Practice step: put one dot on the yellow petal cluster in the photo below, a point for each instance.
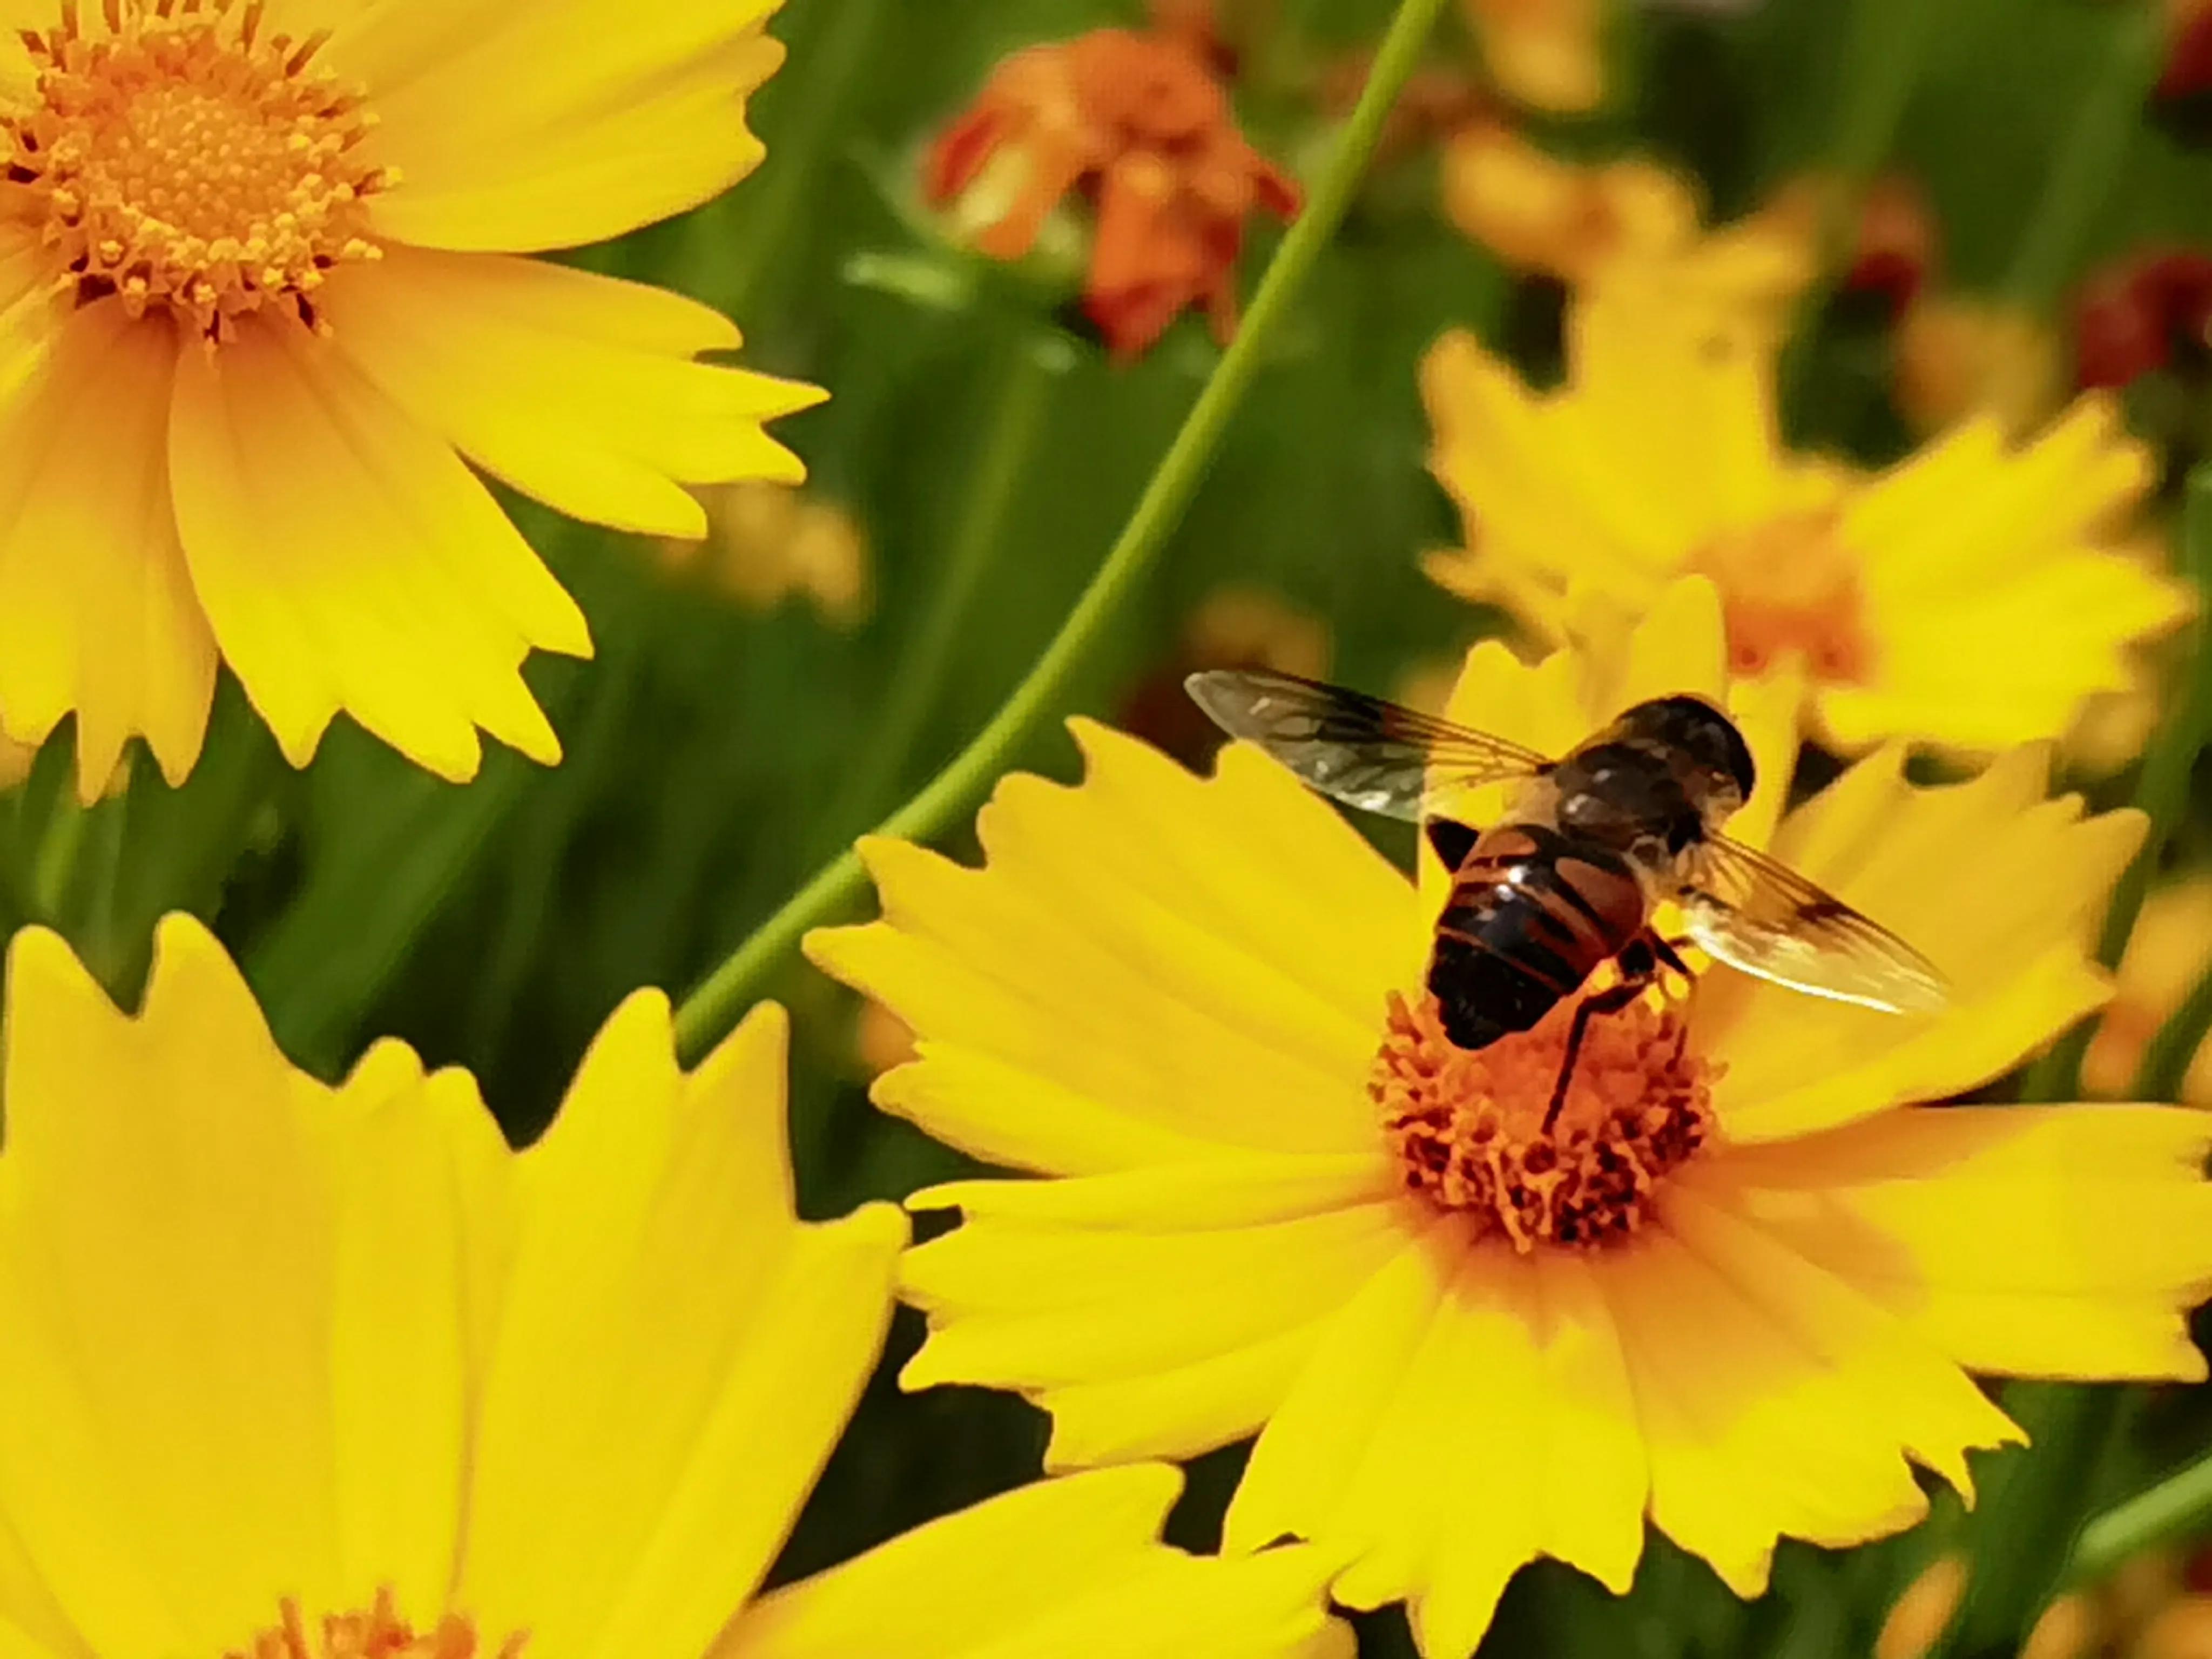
(270, 305)
(296, 1368)
(1902, 596)
(1165, 993)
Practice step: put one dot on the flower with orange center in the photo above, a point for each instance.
(263, 305)
(302, 1372)
(1902, 597)
(1138, 127)
(1735, 1286)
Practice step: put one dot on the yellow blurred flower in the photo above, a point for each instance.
(1960, 355)
(334, 1366)
(1546, 54)
(766, 543)
(1628, 218)
(262, 302)
(1969, 596)
(1257, 627)
(2169, 950)
(2182, 1629)
(1286, 1207)
(1919, 1618)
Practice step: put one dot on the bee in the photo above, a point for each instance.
(1591, 844)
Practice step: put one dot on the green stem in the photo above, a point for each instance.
(2179, 1506)
(711, 1008)
(917, 683)
(2161, 789)
(2088, 161)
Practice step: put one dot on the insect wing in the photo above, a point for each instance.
(1756, 913)
(1377, 756)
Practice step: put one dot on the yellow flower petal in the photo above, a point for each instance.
(1182, 926)
(1529, 499)
(1789, 1412)
(172, 1339)
(660, 1274)
(574, 388)
(1996, 886)
(521, 128)
(348, 561)
(1074, 1284)
(114, 631)
(2043, 1241)
(427, 1186)
(1062, 1566)
(1444, 1486)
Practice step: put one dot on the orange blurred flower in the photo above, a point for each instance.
(1138, 127)
(1585, 225)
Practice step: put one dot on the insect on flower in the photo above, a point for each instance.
(1591, 845)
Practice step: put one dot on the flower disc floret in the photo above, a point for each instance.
(376, 1631)
(177, 155)
(1789, 589)
(1468, 1126)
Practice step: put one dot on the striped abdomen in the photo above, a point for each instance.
(1531, 913)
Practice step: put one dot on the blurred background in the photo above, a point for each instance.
(2039, 180)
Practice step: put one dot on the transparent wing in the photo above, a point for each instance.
(1756, 913)
(1367, 753)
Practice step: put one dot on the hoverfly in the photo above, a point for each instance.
(1590, 844)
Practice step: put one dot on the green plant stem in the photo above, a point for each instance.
(2088, 161)
(2161, 789)
(712, 1008)
(2179, 1506)
(1017, 403)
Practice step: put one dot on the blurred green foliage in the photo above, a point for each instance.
(711, 753)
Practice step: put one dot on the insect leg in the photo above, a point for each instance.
(1611, 1000)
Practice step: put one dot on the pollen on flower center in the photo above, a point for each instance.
(1468, 1125)
(1787, 587)
(376, 1631)
(175, 154)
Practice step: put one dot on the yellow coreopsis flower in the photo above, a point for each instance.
(1970, 596)
(262, 299)
(298, 1372)
(1738, 1286)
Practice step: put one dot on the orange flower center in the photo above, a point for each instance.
(1468, 1125)
(177, 155)
(376, 1631)
(1789, 587)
